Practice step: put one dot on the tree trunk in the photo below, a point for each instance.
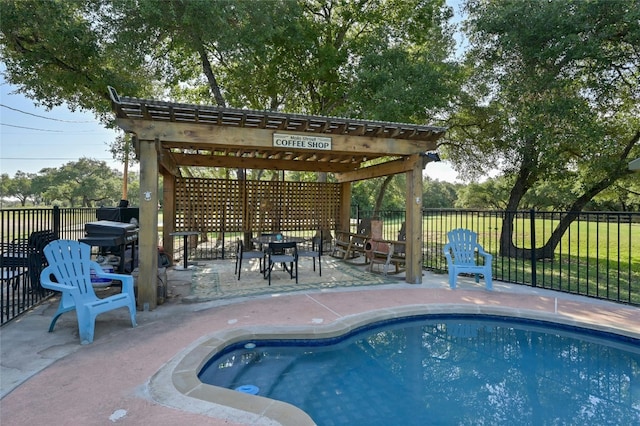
(549, 247)
(520, 187)
(208, 72)
(380, 197)
(508, 249)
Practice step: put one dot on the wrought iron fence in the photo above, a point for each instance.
(598, 255)
(21, 232)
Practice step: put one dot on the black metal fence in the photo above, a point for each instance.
(21, 239)
(597, 256)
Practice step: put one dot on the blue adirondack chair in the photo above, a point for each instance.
(70, 265)
(461, 251)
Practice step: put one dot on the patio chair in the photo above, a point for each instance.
(314, 251)
(379, 253)
(241, 253)
(461, 251)
(268, 237)
(29, 253)
(70, 265)
(282, 253)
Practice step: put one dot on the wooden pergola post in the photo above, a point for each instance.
(345, 206)
(414, 222)
(168, 210)
(148, 233)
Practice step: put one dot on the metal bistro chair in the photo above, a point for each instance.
(314, 251)
(285, 252)
(71, 265)
(241, 253)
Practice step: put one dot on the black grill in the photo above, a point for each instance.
(113, 238)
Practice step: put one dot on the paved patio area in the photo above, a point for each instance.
(49, 378)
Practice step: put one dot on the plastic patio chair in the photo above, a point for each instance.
(461, 251)
(70, 265)
(241, 253)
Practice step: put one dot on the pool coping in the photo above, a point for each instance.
(176, 384)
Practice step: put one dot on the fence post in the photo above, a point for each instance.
(56, 221)
(532, 224)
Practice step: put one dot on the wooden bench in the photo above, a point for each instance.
(386, 253)
(348, 245)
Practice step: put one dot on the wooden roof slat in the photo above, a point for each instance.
(189, 130)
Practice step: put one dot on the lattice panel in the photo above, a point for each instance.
(214, 205)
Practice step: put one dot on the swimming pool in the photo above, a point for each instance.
(443, 369)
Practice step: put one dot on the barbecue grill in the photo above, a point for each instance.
(113, 238)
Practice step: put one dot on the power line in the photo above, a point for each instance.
(51, 158)
(42, 116)
(31, 128)
(47, 130)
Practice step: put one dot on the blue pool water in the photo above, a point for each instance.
(444, 370)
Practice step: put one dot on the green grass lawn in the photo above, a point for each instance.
(599, 259)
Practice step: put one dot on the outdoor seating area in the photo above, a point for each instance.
(217, 280)
(260, 256)
(369, 246)
(349, 245)
(278, 251)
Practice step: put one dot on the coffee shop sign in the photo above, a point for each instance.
(281, 140)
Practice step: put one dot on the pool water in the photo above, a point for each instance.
(446, 370)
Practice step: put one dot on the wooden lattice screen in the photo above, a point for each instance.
(216, 205)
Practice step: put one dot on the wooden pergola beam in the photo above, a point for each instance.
(384, 169)
(230, 136)
(197, 160)
(167, 162)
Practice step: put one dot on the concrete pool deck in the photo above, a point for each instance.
(127, 375)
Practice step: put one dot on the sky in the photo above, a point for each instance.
(33, 138)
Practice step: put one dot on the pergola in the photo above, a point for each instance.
(168, 136)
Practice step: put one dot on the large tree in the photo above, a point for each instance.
(55, 52)
(553, 96)
(376, 59)
(19, 186)
(87, 181)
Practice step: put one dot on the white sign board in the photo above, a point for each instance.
(281, 140)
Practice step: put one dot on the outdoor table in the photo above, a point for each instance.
(186, 235)
(275, 238)
(264, 240)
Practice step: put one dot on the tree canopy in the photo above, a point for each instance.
(356, 58)
(552, 98)
(547, 93)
